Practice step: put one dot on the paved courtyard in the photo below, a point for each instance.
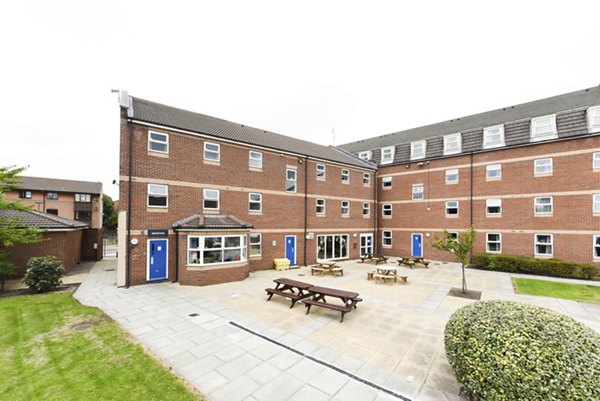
(230, 344)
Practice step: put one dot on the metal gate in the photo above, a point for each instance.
(109, 247)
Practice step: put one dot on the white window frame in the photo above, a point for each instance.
(151, 191)
(206, 197)
(255, 202)
(487, 142)
(345, 176)
(488, 242)
(345, 204)
(452, 215)
(201, 249)
(386, 235)
(386, 180)
(452, 144)
(158, 141)
(539, 164)
(216, 152)
(596, 161)
(85, 198)
(592, 114)
(418, 145)
(254, 244)
(388, 151)
(416, 192)
(596, 244)
(495, 202)
(450, 173)
(366, 155)
(366, 179)
(366, 209)
(596, 203)
(321, 172)
(323, 205)
(542, 136)
(491, 167)
(255, 159)
(386, 210)
(536, 243)
(294, 179)
(536, 204)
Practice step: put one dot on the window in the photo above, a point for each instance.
(216, 249)
(158, 142)
(332, 246)
(593, 119)
(320, 206)
(418, 150)
(543, 244)
(84, 215)
(451, 208)
(596, 246)
(386, 210)
(452, 176)
(212, 152)
(52, 195)
(366, 209)
(493, 137)
(493, 242)
(345, 176)
(543, 205)
(596, 161)
(290, 180)
(542, 166)
(543, 128)
(25, 194)
(453, 234)
(52, 211)
(493, 206)
(366, 155)
(366, 179)
(157, 195)
(387, 154)
(386, 182)
(255, 202)
(493, 172)
(211, 199)
(255, 244)
(452, 144)
(345, 208)
(596, 201)
(386, 238)
(255, 159)
(417, 192)
(321, 170)
(85, 198)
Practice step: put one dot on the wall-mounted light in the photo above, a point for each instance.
(134, 241)
(407, 166)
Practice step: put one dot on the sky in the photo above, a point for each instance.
(330, 72)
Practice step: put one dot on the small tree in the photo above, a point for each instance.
(43, 273)
(7, 269)
(460, 246)
(109, 214)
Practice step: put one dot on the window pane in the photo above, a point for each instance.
(157, 200)
(232, 242)
(213, 257)
(212, 242)
(194, 243)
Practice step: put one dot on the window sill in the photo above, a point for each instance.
(386, 217)
(321, 215)
(255, 257)
(321, 179)
(451, 182)
(452, 216)
(367, 185)
(543, 215)
(542, 175)
(255, 213)
(493, 145)
(258, 170)
(494, 179)
(212, 163)
(210, 211)
(386, 246)
(366, 216)
(345, 216)
(493, 216)
(543, 256)
(157, 209)
(543, 137)
(387, 188)
(346, 182)
(216, 266)
(158, 154)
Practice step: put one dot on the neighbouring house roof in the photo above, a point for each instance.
(167, 116)
(569, 101)
(45, 221)
(211, 222)
(60, 185)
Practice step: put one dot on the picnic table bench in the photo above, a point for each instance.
(410, 262)
(319, 294)
(377, 259)
(326, 267)
(292, 289)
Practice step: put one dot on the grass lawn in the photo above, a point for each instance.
(575, 292)
(53, 348)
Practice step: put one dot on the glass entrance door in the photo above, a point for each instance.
(332, 246)
(366, 244)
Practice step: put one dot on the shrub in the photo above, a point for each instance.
(43, 273)
(479, 260)
(503, 351)
(7, 269)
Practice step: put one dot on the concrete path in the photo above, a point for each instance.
(231, 344)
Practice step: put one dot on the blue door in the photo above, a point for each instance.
(417, 245)
(157, 259)
(290, 248)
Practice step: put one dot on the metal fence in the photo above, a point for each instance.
(109, 247)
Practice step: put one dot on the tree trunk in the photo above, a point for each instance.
(464, 279)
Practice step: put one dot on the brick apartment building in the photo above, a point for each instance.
(212, 200)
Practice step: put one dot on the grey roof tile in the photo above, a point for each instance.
(211, 221)
(45, 221)
(60, 185)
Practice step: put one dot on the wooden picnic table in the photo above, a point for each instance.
(326, 266)
(292, 289)
(410, 262)
(377, 259)
(319, 295)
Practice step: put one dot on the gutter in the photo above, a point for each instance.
(129, 193)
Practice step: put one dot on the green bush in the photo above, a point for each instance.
(504, 351)
(7, 268)
(43, 273)
(527, 265)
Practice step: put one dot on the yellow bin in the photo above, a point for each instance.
(281, 264)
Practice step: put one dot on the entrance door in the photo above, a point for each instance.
(366, 244)
(290, 248)
(157, 259)
(417, 245)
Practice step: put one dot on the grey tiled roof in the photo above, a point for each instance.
(155, 113)
(569, 101)
(60, 185)
(211, 221)
(40, 220)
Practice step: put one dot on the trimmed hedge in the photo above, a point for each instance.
(505, 351)
(527, 265)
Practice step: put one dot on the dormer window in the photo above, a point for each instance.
(593, 118)
(366, 155)
(493, 137)
(418, 149)
(543, 128)
(452, 144)
(387, 154)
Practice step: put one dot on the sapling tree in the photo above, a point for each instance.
(460, 246)
(7, 269)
